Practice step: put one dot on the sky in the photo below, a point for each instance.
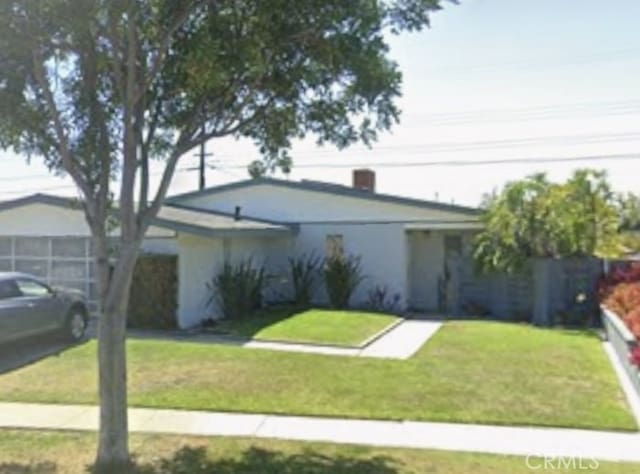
(491, 80)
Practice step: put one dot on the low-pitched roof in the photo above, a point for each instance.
(176, 217)
(330, 188)
(214, 223)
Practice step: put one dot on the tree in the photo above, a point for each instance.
(99, 88)
(535, 218)
(629, 209)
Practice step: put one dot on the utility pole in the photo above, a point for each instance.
(203, 163)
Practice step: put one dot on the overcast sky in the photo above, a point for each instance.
(491, 80)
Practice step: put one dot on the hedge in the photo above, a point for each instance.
(154, 293)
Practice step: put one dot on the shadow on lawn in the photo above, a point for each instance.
(19, 354)
(191, 460)
(39, 468)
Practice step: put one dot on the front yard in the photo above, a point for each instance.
(473, 372)
(37, 452)
(315, 326)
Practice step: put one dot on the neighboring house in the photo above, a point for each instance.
(403, 243)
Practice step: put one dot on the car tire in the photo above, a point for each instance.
(76, 325)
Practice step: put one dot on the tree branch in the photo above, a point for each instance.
(165, 40)
(63, 142)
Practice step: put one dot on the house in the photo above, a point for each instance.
(48, 236)
(403, 243)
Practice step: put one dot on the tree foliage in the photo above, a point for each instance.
(538, 218)
(99, 88)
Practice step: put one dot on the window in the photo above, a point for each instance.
(5, 246)
(335, 246)
(32, 288)
(9, 289)
(32, 247)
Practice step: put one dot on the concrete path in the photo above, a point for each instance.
(521, 441)
(401, 342)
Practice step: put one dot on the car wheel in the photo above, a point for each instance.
(76, 326)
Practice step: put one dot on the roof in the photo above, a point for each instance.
(330, 188)
(214, 223)
(176, 217)
(39, 198)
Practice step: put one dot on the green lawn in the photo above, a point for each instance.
(38, 452)
(475, 372)
(315, 326)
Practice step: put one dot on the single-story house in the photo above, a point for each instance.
(403, 243)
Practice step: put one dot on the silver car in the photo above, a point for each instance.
(29, 307)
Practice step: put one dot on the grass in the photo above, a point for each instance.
(41, 452)
(315, 326)
(472, 372)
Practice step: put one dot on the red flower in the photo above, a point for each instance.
(634, 357)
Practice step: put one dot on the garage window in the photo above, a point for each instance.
(60, 261)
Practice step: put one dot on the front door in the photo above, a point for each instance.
(426, 263)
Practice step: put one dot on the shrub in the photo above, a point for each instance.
(341, 277)
(634, 357)
(379, 300)
(153, 300)
(303, 277)
(624, 300)
(625, 272)
(238, 289)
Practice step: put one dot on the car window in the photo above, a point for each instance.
(32, 288)
(9, 289)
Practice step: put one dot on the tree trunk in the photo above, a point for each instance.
(113, 443)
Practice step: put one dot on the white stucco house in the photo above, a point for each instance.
(402, 242)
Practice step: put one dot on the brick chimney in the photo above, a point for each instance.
(364, 179)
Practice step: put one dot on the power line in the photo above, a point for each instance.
(463, 163)
(448, 147)
(406, 164)
(558, 61)
(528, 114)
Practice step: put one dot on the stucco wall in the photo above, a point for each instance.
(296, 205)
(200, 258)
(55, 221)
(197, 261)
(43, 220)
(382, 248)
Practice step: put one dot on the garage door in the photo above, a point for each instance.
(60, 261)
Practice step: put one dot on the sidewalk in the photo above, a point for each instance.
(523, 441)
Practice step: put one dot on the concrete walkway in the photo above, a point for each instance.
(521, 441)
(401, 342)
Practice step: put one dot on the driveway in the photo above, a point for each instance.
(19, 354)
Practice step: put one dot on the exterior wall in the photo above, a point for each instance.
(382, 248)
(161, 245)
(43, 220)
(54, 221)
(296, 205)
(198, 258)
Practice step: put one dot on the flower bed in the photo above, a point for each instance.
(620, 296)
(624, 343)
